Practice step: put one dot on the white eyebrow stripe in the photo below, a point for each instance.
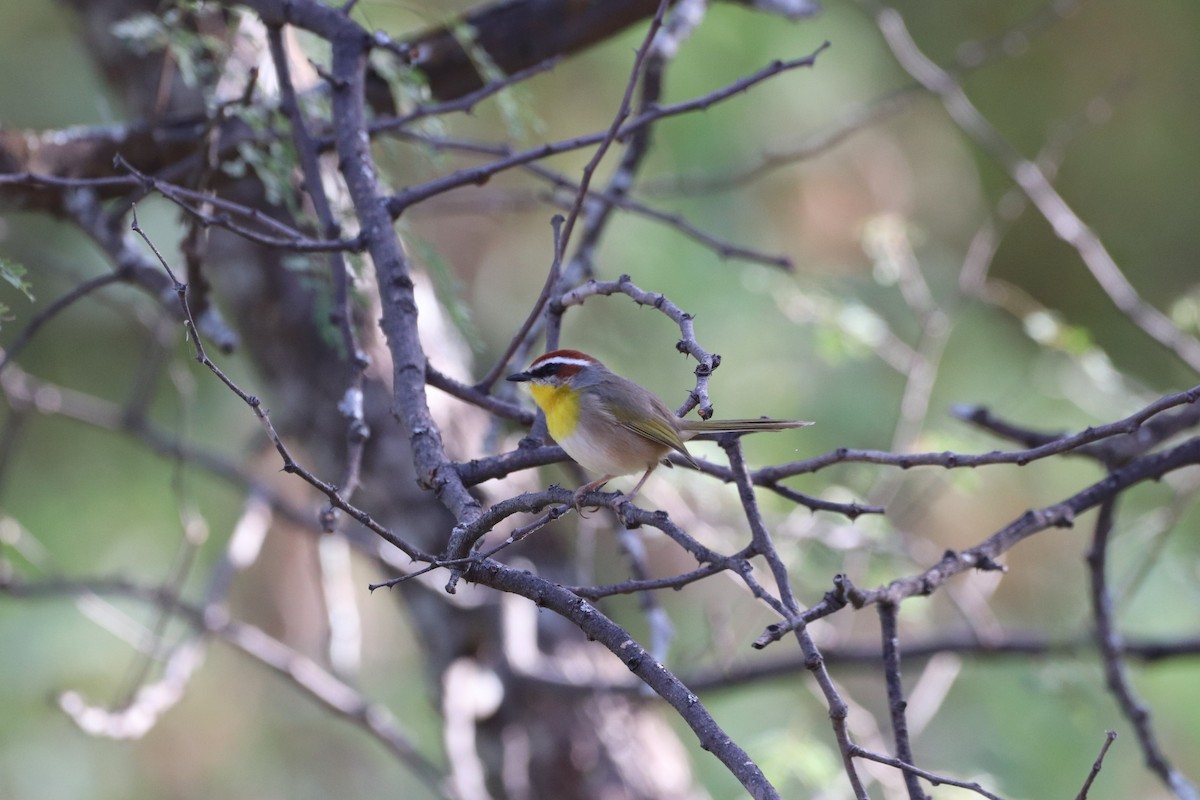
(563, 360)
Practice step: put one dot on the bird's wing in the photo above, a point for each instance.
(656, 430)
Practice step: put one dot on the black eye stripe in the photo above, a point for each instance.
(556, 368)
(545, 371)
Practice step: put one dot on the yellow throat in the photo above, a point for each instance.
(561, 406)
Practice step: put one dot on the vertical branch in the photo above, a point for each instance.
(563, 238)
(813, 660)
(761, 538)
(663, 46)
(399, 323)
(351, 405)
(895, 692)
(611, 136)
(1110, 645)
(342, 619)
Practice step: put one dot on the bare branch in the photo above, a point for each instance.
(1108, 641)
(910, 770)
(895, 692)
(1062, 515)
(950, 460)
(1097, 765)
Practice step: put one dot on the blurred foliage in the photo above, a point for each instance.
(1118, 83)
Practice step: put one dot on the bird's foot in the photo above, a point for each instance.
(618, 499)
(582, 491)
(577, 501)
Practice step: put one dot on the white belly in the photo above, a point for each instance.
(598, 458)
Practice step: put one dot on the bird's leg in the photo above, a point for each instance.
(628, 498)
(641, 481)
(577, 499)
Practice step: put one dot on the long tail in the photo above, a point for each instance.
(740, 425)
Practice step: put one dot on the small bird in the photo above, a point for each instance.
(612, 425)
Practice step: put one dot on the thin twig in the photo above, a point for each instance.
(1062, 514)
(688, 343)
(952, 460)
(1097, 765)
(895, 691)
(933, 778)
(762, 543)
(515, 201)
(1109, 642)
(290, 465)
(475, 175)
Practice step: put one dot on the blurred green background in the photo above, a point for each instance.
(1115, 84)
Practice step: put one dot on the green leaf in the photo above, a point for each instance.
(15, 274)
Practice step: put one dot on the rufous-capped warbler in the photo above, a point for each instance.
(612, 425)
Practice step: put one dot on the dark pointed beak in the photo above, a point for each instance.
(518, 376)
